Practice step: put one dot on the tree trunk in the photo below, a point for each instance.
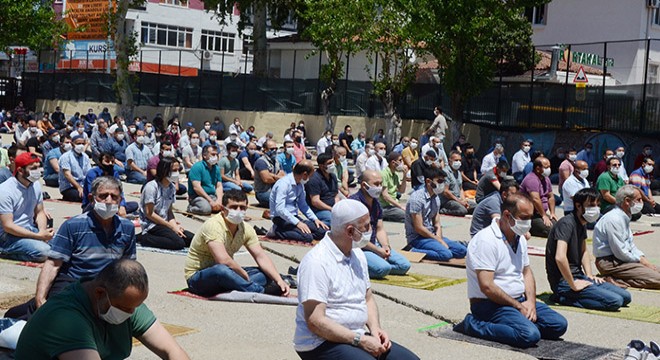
(260, 49)
(123, 80)
(457, 108)
(392, 119)
(326, 96)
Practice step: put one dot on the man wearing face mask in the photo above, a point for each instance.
(335, 301)
(601, 166)
(24, 234)
(587, 154)
(346, 140)
(74, 165)
(422, 224)
(233, 138)
(491, 180)
(567, 167)
(212, 140)
(470, 166)
(647, 152)
(398, 148)
(300, 151)
(205, 183)
(192, 153)
(99, 138)
(341, 166)
(392, 184)
(53, 142)
(286, 159)
(137, 158)
(419, 167)
(617, 257)
(435, 144)
(32, 132)
(51, 163)
(620, 153)
(246, 160)
(568, 263)
(439, 125)
(539, 189)
(287, 197)
(520, 159)
(105, 167)
(501, 285)
(324, 142)
(117, 146)
(608, 184)
(491, 207)
(410, 153)
(576, 182)
(642, 178)
(106, 313)
(361, 160)
(492, 159)
(83, 245)
(204, 133)
(322, 189)
(210, 266)
(231, 178)
(453, 198)
(267, 172)
(378, 161)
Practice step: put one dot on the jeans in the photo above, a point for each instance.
(436, 251)
(181, 190)
(506, 325)
(335, 351)
(163, 237)
(605, 296)
(287, 231)
(220, 278)
(396, 264)
(135, 177)
(393, 214)
(71, 194)
(52, 180)
(324, 215)
(22, 249)
(263, 198)
(453, 208)
(231, 186)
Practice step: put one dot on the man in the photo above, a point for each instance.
(324, 142)
(286, 159)
(576, 182)
(24, 232)
(212, 140)
(137, 158)
(32, 132)
(568, 263)
(491, 207)
(105, 115)
(647, 152)
(246, 160)
(453, 198)
(377, 162)
(74, 165)
(267, 172)
(379, 137)
(392, 188)
(357, 146)
(617, 257)
(287, 197)
(262, 140)
(435, 144)
(58, 118)
(247, 134)
(381, 259)
(204, 133)
(335, 301)
(439, 125)
(642, 178)
(346, 139)
(608, 184)
(539, 189)
(620, 153)
(51, 162)
(419, 167)
(233, 138)
(231, 179)
(398, 148)
(470, 166)
(501, 285)
(361, 160)
(300, 151)
(490, 181)
(117, 145)
(322, 188)
(601, 166)
(587, 154)
(210, 266)
(51, 143)
(105, 167)
(84, 245)
(341, 165)
(410, 153)
(422, 224)
(98, 318)
(173, 135)
(492, 159)
(205, 183)
(99, 139)
(567, 167)
(12, 153)
(192, 153)
(519, 160)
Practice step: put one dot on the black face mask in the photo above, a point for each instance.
(108, 169)
(298, 139)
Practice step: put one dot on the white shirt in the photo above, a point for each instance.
(623, 174)
(489, 162)
(571, 186)
(113, 127)
(520, 159)
(489, 250)
(27, 134)
(360, 163)
(326, 275)
(439, 152)
(374, 164)
(322, 144)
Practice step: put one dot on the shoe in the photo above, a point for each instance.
(260, 231)
(272, 289)
(635, 350)
(652, 352)
(293, 270)
(290, 280)
(45, 195)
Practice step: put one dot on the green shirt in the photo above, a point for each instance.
(607, 182)
(67, 322)
(208, 177)
(229, 166)
(391, 182)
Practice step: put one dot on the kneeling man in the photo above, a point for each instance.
(501, 285)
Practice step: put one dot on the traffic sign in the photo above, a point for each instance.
(581, 76)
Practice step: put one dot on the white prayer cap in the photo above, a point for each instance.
(346, 211)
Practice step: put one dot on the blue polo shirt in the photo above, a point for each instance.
(116, 148)
(208, 177)
(20, 201)
(286, 164)
(375, 212)
(84, 247)
(139, 155)
(425, 204)
(79, 165)
(56, 153)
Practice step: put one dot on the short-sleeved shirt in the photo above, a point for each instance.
(340, 282)
(489, 250)
(68, 322)
(469, 166)
(454, 181)
(116, 148)
(264, 163)
(84, 247)
(152, 164)
(607, 182)
(20, 201)
(485, 186)
(207, 176)
(229, 165)
(412, 154)
(349, 139)
(542, 185)
(215, 229)
(571, 186)
(252, 159)
(566, 165)
(286, 164)
(92, 174)
(193, 154)
(391, 182)
(483, 213)
(375, 212)
(642, 180)
(569, 230)
(417, 172)
(56, 153)
(162, 197)
(139, 156)
(325, 188)
(373, 163)
(425, 204)
(78, 165)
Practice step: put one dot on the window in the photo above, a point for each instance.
(247, 45)
(167, 35)
(175, 2)
(536, 14)
(652, 77)
(656, 16)
(218, 41)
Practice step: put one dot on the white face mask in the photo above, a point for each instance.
(374, 191)
(105, 211)
(67, 146)
(207, 127)
(194, 141)
(168, 153)
(439, 188)
(546, 172)
(364, 240)
(34, 176)
(132, 130)
(648, 169)
(456, 165)
(213, 160)
(232, 138)
(428, 162)
(235, 216)
(591, 214)
(81, 130)
(331, 168)
(636, 208)
(79, 148)
(399, 167)
(140, 140)
(290, 150)
(382, 153)
(572, 157)
(413, 145)
(233, 154)
(620, 154)
(584, 173)
(174, 177)
(120, 137)
(615, 171)
(114, 315)
(371, 152)
(335, 142)
(526, 149)
(521, 227)
(342, 159)
(213, 138)
(304, 181)
(149, 130)
(56, 139)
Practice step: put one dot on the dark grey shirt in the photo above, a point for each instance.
(483, 213)
(569, 230)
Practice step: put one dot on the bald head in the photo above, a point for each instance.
(371, 177)
(305, 166)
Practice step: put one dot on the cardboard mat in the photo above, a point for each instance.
(650, 314)
(243, 297)
(418, 281)
(174, 330)
(416, 257)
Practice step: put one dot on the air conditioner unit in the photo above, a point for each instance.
(654, 4)
(207, 55)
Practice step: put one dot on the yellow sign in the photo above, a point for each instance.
(580, 85)
(87, 19)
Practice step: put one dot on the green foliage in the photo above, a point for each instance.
(278, 10)
(29, 23)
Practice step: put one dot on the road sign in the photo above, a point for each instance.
(581, 76)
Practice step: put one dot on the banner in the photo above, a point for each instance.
(87, 19)
(88, 50)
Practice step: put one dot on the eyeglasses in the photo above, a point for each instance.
(615, 166)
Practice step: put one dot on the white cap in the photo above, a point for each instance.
(346, 211)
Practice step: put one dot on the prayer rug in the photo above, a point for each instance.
(22, 263)
(174, 330)
(535, 250)
(287, 242)
(645, 313)
(243, 297)
(460, 263)
(183, 251)
(418, 281)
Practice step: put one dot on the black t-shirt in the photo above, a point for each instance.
(34, 142)
(327, 189)
(554, 164)
(485, 186)
(468, 167)
(570, 230)
(417, 172)
(348, 138)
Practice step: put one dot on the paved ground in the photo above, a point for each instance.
(252, 331)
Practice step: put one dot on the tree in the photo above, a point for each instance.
(472, 39)
(31, 23)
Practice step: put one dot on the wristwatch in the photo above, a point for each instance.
(356, 339)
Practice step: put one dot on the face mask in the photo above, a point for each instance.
(56, 139)
(587, 150)
(364, 240)
(413, 145)
(80, 130)
(140, 140)
(174, 177)
(620, 154)
(614, 171)
(304, 181)
(572, 157)
(456, 165)
(213, 138)
(79, 148)
(648, 152)
(335, 142)
(132, 130)
(33, 129)
(439, 188)
(233, 154)
(69, 127)
(66, 147)
(428, 162)
(648, 169)
(591, 214)
(328, 138)
(342, 159)
(207, 127)
(521, 227)
(546, 172)
(636, 208)
(194, 141)
(105, 211)
(374, 191)
(382, 153)
(232, 138)
(331, 168)
(298, 139)
(174, 131)
(584, 173)
(526, 149)
(168, 153)
(290, 150)
(120, 137)
(399, 167)
(34, 176)
(149, 130)
(213, 160)
(371, 152)
(502, 174)
(235, 216)
(114, 315)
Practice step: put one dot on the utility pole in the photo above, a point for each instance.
(109, 41)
